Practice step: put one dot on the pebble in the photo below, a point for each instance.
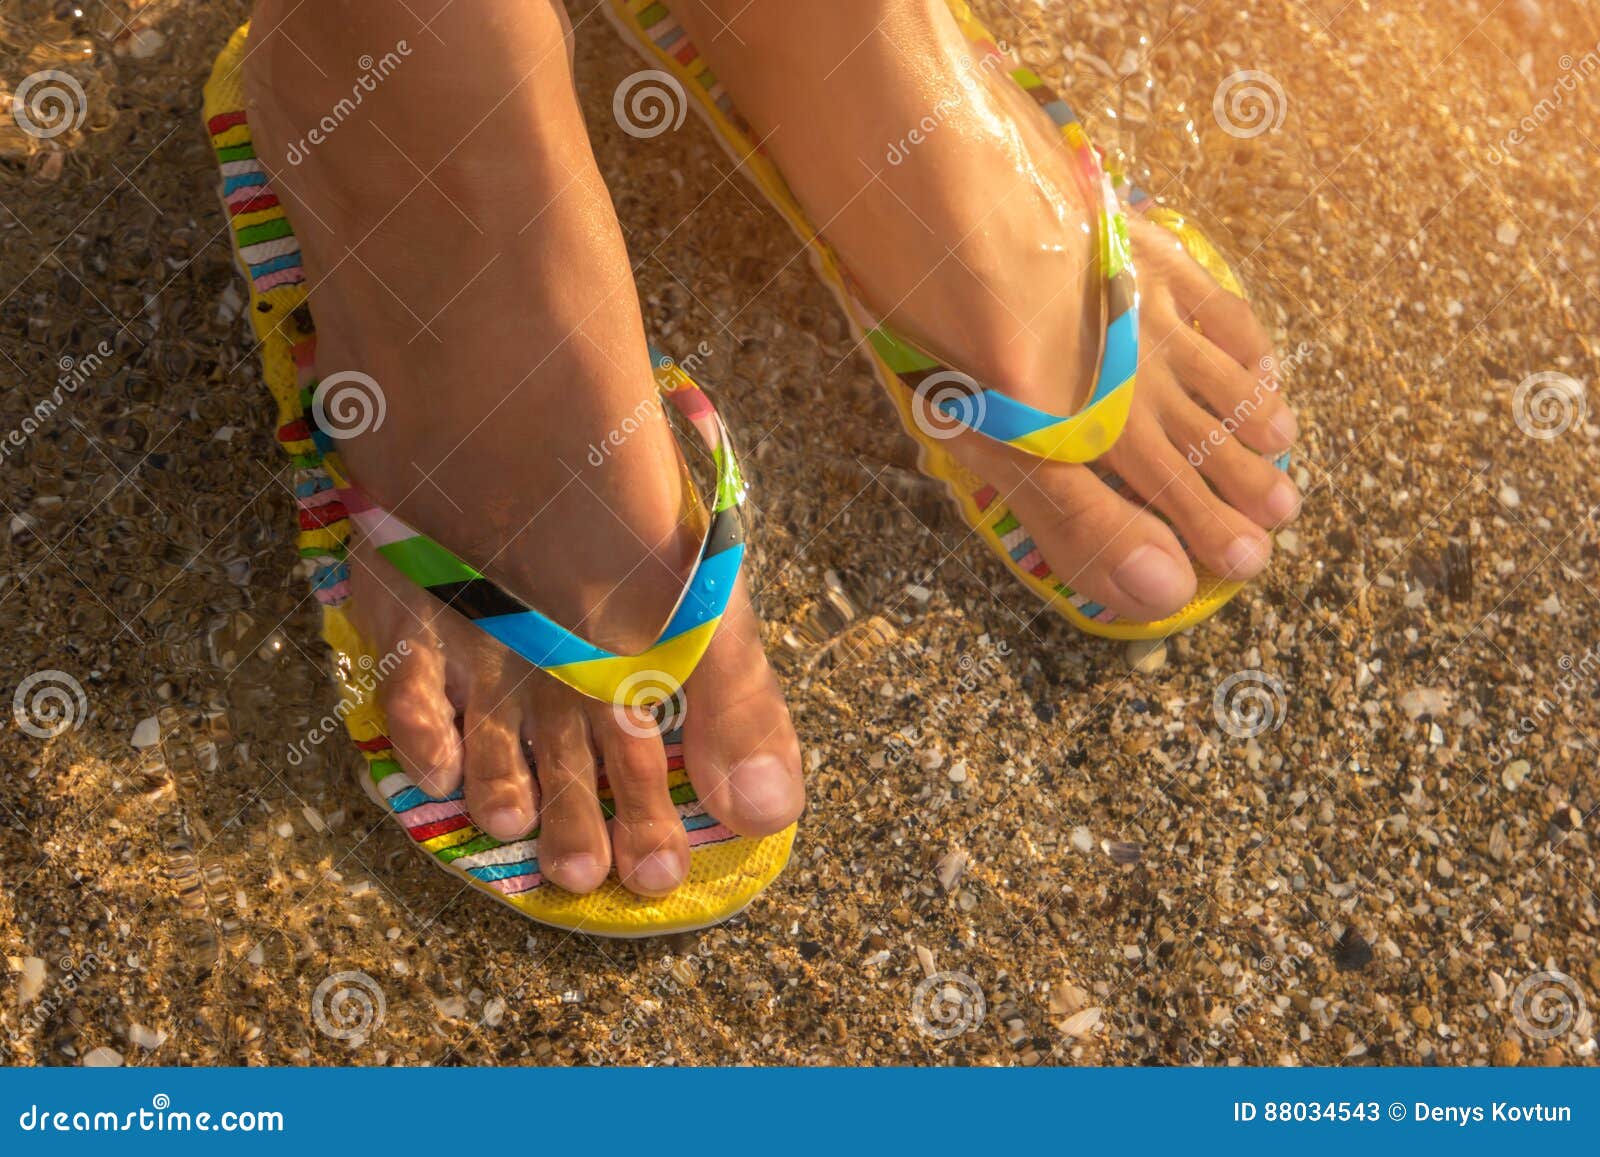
(1147, 655)
(149, 1039)
(1082, 839)
(31, 982)
(1082, 1023)
(494, 1011)
(147, 733)
(1507, 1054)
(1509, 497)
(1515, 773)
(1422, 1016)
(958, 772)
(102, 1058)
(950, 869)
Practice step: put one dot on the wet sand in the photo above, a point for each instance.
(1056, 827)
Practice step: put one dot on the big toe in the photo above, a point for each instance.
(739, 747)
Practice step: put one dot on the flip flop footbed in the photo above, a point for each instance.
(657, 35)
(725, 871)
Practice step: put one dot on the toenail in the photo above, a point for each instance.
(1285, 426)
(510, 821)
(759, 789)
(1245, 557)
(1283, 502)
(578, 873)
(1153, 577)
(658, 872)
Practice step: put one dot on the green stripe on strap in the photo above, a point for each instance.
(902, 358)
(426, 563)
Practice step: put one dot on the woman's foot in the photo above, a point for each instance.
(463, 253)
(948, 195)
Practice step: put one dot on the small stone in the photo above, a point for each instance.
(454, 1007)
(285, 829)
(494, 1012)
(148, 733)
(958, 772)
(1081, 1023)
(1288, 540)
(1507, 1054)
(1066, 999)
(1507, 233)
(1510, 497)
(1515, 773)
(1352, 953)
(1147, 656)
(149, 1039)
(102, 1058)
(31, 982)
(313, 817)
(1422, 1016)
(1082, 839)
(951, 868)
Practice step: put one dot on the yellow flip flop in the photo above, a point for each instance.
(726, 871)
(934, 400)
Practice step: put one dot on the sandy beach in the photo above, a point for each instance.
(1023, 846)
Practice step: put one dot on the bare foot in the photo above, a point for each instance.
(972, 239)
(463, 253)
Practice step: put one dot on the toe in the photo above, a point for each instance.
(1248, 400)
(1226, 541)
(1225, 318)
(648, 842)
(421, 719)
(500, 788)
(1245, 480)
(1101, 545)
(739, 746)
(574, 852)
